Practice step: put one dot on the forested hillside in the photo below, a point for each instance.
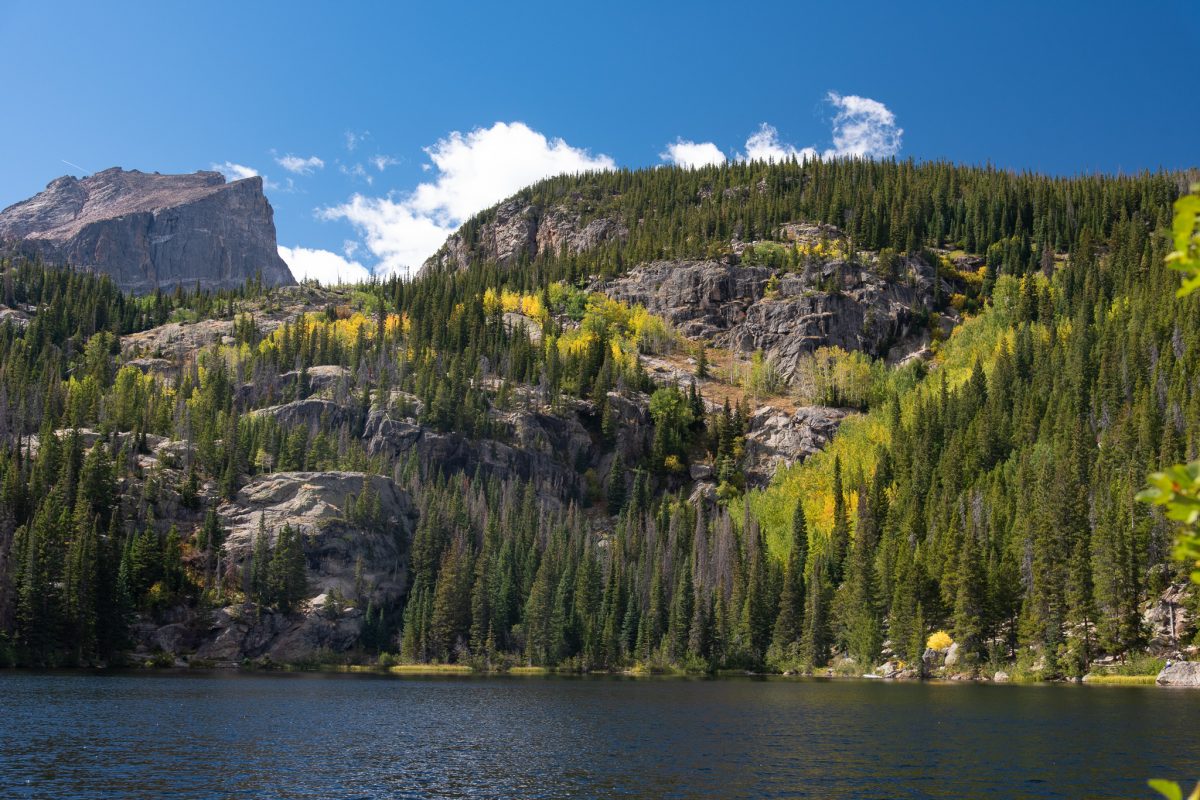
(564, 478)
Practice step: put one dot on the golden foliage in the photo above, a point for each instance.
(939, 640)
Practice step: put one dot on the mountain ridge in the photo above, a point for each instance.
(150, 231)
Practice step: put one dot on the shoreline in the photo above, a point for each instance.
(466, 671)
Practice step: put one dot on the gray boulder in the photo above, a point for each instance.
(933, 659)
(245, 632)
(889, 669)
(323, 378)
(1179, 673)
(550, 450)
(701, 298)
(175, 341)
(952, 655)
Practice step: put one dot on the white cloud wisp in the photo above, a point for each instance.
(234, 172)
(298, 165)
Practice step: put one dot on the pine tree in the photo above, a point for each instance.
(538, 616)
(916, 641)
(449, 625)
(864, 637)
(789, 622)
(681, 615)
(969, 604)
(814, 645)
(616, 485)
(287, 571)
(82, 591)
(839, 537)
(145, 559)
(260, 559)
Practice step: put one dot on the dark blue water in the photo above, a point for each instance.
(336, 736)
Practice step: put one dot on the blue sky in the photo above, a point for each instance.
(375, 93)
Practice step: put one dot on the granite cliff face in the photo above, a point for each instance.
(515, 229)
(148, 230)
(831, 303)
(351, 564)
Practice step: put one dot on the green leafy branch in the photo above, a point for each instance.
(1177, 488)
(1186, 233)
(1171, 790)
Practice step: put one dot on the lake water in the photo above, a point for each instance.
(68, 735)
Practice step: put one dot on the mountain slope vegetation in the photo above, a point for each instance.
(577, 509)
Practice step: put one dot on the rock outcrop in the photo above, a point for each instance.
(148, 230)
(777, 439)
(551, 451)
(830, 303)
(178, 340)
(516, 229)
(1168, 620)
(313, 413)
(352, 563)
(1179, 673)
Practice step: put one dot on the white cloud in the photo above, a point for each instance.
(863, 127)
(234, 172)
(471, 172)
(383, 162)
(488, 164)
(764, 145)
(684, 153)
(394, 233)
(298, 165)
(356, 171)
(354, 139)
(329, 268)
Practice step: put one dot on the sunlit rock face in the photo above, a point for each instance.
(152, 231)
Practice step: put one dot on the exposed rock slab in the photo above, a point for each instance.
(311, 412)
(1179, 673)
(831, 303)
(515, 229)
(1168, 619)
(550, 450)
(313, 503)
(777, 439)
(177, 340)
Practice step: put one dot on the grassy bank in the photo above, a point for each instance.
(1120, 680)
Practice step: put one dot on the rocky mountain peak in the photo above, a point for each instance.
(149, 230)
